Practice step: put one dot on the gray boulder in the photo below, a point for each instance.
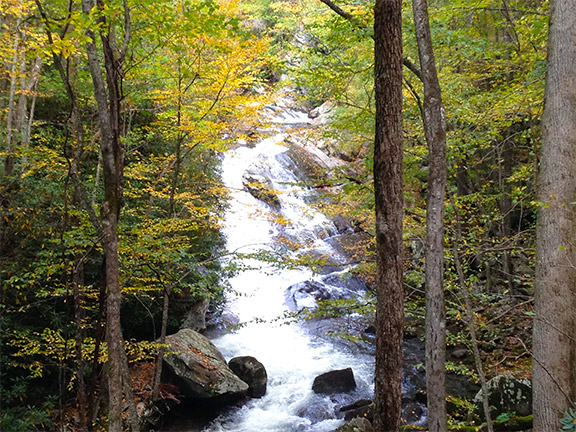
(199, 368)
(252, 372)
(507, 394)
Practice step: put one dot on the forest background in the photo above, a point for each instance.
(190, 80)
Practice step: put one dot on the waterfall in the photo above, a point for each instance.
(292, 356)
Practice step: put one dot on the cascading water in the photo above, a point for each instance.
(292, 357)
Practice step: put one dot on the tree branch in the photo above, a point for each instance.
(367, 30)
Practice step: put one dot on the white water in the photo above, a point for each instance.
(291, 357)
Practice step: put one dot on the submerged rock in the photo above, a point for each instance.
(337, 381)
(199, 368)
(252, 372)
(261, 188)
(307, 294)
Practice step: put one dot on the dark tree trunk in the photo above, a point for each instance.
(554, 341)
(388, 186)
(435, 130)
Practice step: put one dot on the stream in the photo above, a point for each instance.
(292, 357)
(263, 293)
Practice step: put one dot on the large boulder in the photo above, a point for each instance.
(507, 394)
(336, 381)
(252, 372)
(199, 368)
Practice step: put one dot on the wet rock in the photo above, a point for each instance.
(219, 324)
(307, 294)
(337, 381)
(308, 166)
(356, 425)
(322, 114)
(507, 394)
(369, 333)
(346, 282)
(317, 411)
(196, 317)
(363, 408)
(332, 287)
(252, 372)
(342, 224)
(261, 188)
(413, 412)
(199, 369)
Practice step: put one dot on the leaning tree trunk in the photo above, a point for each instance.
(554, 342)
(435, 131)
(388, 188)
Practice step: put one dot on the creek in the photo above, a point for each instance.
(262, 294)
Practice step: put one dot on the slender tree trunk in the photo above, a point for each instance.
(505, 171)
(554, 339)
(388, 187)
(8, 146)
(162, 349)
(108, 101)
(81, 395)
(435, 130)
(471, 320)
(28, 119)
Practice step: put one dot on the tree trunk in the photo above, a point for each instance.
(388, 189)
(435, 130)
(471, 320)
(162, 349)
(8, 146)
(108, 101)
(79, 315)
(554, 342)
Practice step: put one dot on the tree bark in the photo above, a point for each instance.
(554, 337)
(388, 188)
(435, 131)
(108, 102)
